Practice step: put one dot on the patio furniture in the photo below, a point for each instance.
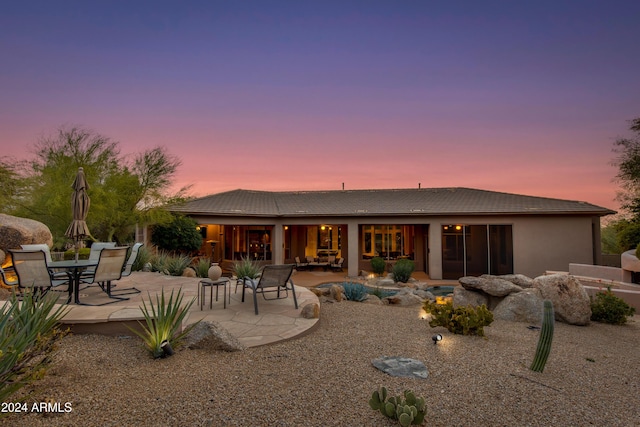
(109, 268)
(131, 260)
(337, 265)
(208, 283)
(57, 275)
(274, 278)
(32, 271)
(73, 270)
(301, 265)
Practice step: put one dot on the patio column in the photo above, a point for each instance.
(278, 244)
(435, 254)
(354, 243)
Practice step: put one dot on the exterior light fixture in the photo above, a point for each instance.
(458, 227)
(436, 338)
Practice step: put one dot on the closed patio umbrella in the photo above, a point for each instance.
(79, 208)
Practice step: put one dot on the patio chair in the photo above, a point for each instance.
(33, 273)
(94, 255)
(57, 275)
(132, 259)
(337, 265)
(274, 278)
(301, 265)
(109, 268)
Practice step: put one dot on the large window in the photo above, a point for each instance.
(248, 241)
(387, 241)
(473, 250)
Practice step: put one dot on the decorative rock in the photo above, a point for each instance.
(570, 300)
(404, 297)
(518, 279)
(336, 292)
(310, 311)
(525, 306)
(463, 297)
(189, 272)
(493, 286)
(372, 299)
(15, 231)
(212, 336)
(401, 367)
(319, 292)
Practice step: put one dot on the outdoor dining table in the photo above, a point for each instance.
(74, 270)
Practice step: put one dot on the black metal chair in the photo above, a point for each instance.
(274, 278)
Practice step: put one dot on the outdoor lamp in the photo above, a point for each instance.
(436, 338)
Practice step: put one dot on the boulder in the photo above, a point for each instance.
(570, 300)
(525, 306)
(311, 311)
(401, 367)
(404, 297)
(374, 300)
(463, 297)
(518, 279)
(490, 285)
(211, 336)
(189, 272)
(336, 292)
(15, 231)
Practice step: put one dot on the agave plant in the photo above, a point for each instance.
(202, 267)
(164, 322)
(28, 336)
(246, 268)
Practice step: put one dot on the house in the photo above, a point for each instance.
(447, 232)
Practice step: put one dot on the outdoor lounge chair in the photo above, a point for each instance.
(301, 265)
(337, 265)
(33, 273)
(109, 268)
(274, 278)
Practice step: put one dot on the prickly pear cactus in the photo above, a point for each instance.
(407, 408)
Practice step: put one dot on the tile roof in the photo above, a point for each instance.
(411, 202)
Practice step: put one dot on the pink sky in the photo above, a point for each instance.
(518, 98)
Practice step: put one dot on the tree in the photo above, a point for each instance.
(180, 235)
(628, 163)
(123, 192)
(11, 185)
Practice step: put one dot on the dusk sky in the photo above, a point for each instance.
(516, 96)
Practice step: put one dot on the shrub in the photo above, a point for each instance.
(378, 265)
(354, 291)
(402, 270)
(467, 320)
(202, 267)
(144, 256)
(246, 268)
(83, 253)
(164, 322)
(176, 265)
(179, 235)
(28, 336)
(608, 308)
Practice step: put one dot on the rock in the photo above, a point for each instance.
(491, 285)
(525, 306)
(311, 311)
(336, 292)
(463, 297)
(401, 367)
(471, 283)
(518, 279)
(212, 336)
(15, 231)
(189, 272)
(385, 282)
(404, 297)
(570, 300)
(319, 292)
(372, 299)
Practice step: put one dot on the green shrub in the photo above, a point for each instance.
(638, 251)
(164, 322)
(467, 320)
(144, 256)
(83, 253)
(402, 270)
(608, 308)
(378, 265)
(202, 267)
(176, 265)
(179, 235)
(354, 291)
(29, 333)
(246, 268)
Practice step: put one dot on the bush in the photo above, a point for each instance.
(467, 320)
(144, 256)
(164, 323)
(28, 336)
(608, 308)
(354, 291)
(83, 253)
(402, 270)
(378, 265)
(180, 235)
(408, 409)
(246, 268)
(171, 265)
(202, 267)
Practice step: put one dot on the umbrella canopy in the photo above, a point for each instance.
(79, 208)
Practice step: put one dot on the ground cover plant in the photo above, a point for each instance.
(29, 333)
(378, 265)
(606, 307)
(246, 268)
(354, 291)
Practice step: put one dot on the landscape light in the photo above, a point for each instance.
(436, 338)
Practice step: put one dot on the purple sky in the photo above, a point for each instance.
(523, 97)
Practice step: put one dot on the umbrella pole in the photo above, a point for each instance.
(77, 249)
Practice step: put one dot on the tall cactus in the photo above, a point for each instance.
(546, 337)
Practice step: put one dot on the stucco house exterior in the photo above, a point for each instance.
(447, 232)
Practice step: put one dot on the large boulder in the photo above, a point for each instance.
(463, 297)
(16, 231)
(525, 306)
(517, 279)
(213, 337)
(490, 285)
(570, 300)
(404, 297)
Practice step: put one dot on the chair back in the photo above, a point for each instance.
(39, 247)
(132, 259)
(31, 268)
(5, 278)
(96, 247)
(110, 264)
(275, 275)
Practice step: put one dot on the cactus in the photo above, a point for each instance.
(546, 337)
(378, 398)
(407, 408)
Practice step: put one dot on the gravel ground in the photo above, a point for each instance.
(325, 378)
